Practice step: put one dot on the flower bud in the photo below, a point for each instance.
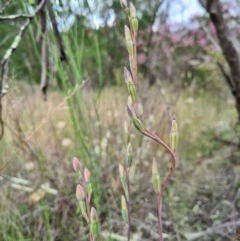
(129, 155)
(123, 179)
(126, 132)
(155, 177)
(89, 191)
(124, 209)
(134, 23)
(127, 33)
(80, 193)
(94, 223)
(131, 111)
(133, 17)
(130, 47)
(87, 175)
(138, 124)
(174, 134)
(135, 120)
(83, 209)
(77, 165)
(130, 85)
(123, 3)
(93, 214)
(133, 12)
(128, 39)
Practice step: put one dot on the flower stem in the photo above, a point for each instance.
(128, 207)
(153, 136)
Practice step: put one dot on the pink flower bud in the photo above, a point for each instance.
(93, 214)
(80, 193)
(94, 223)
(77, 165)
(123, 3)
(87, 175)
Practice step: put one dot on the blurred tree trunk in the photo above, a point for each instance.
(230, 47)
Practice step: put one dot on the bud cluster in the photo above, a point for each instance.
(84, 194)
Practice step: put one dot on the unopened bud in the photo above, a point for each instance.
(133, 17)
(80, 193)
(131, 111)
(128, 39)
(174, 134)
(123, 3)
(126, 132)
(123, 179)
(130, 47)
(77, 165)
(155, 177)
(130, 85)
(138, 124)
(87, 175)
(83, 210)
(127, 33)
(124, 209)
(93, 214)
(135, 120)
(94, 223)
(89, 191)
(129, 155)
(133, 12)
(134, 23)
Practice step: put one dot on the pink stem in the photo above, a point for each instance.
(153, 136)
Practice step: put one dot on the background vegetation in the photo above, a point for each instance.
(80, 109)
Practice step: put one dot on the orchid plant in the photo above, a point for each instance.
(131, 80)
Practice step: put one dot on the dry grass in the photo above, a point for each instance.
(39, 143)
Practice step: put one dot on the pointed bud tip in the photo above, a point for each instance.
(133, 12)
(127, 75)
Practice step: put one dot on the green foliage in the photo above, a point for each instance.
(94, 126)
(205, 146)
